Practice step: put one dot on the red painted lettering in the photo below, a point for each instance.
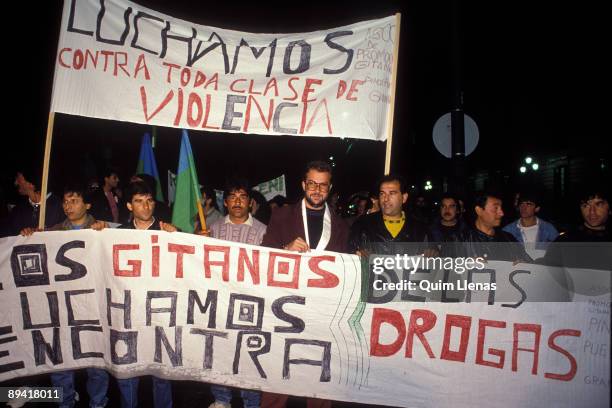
(328, 279)
(393, 318)
(482, 326)
(135, 264)
(464, 323)
(180, 250)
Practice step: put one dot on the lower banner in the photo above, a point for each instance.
(185, 307)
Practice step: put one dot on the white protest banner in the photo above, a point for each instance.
(272, 188)
(121, 61)
(182, 306)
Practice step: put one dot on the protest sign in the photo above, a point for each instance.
(118, 60)
(184, 307)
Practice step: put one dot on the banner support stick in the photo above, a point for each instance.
(390, 111)
(45, 174)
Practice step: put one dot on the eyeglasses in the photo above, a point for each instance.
(313, 185)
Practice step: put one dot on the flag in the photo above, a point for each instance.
(147, 164)
(187, 196)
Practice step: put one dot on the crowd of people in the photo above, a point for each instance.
(379, 222)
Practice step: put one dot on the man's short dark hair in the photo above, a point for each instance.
(448, 196)
(210, 195)
(480, 199)
(80, 190)
(150, 180)
(590, 192)
(532, 196)
(318, 165)
(107, 172)
(391, 178)
(139, 188)
(235, 185)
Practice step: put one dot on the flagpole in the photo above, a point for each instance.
(45, 174)
(202, 217)
(390, 112)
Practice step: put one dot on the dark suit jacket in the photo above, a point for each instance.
(286, 225)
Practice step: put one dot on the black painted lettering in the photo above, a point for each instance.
(43, 349)
(53, 312)
(297, 324)
(75, 336)
(209, 336)
(77, 270)
(126, 306)
(210, 306)
(175, 354)
(71, 320)
(161, 295)
(130, 338)
(324, 363)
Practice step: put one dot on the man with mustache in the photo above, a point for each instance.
(238, 226)
(449, 225)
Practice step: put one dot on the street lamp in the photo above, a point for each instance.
(531, 165)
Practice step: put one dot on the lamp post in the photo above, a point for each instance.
(529, 164)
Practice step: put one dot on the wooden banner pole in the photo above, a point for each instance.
(390, 112)
(45, 174)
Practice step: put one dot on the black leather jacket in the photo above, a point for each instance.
(500, 247)
(370, 234)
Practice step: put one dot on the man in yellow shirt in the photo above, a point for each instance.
(381, 232)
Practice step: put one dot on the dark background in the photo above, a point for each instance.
(531, 77)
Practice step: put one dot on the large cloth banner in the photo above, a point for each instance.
(121, 61)
(182, 306)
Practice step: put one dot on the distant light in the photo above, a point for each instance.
(428, 183)
(331, 157)
(528, 160)
(411, 186)
(523, 169)
(535, 166)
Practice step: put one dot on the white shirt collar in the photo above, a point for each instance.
(249, 221)
(534, 225)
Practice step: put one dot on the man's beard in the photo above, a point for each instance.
(315, 205)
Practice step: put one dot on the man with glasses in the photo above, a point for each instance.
(307, 225)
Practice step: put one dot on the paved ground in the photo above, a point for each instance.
(185, 394)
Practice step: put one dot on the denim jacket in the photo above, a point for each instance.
(546, 233)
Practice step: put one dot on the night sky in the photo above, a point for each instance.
(530, 77)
